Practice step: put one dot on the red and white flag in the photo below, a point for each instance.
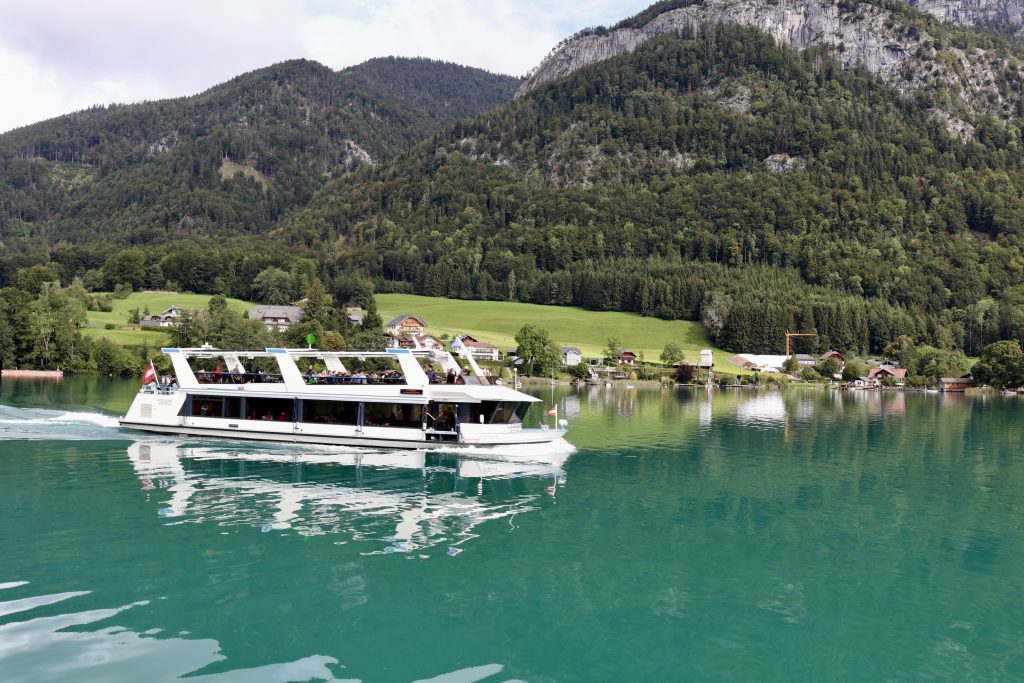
(150, 374)
(553, 411)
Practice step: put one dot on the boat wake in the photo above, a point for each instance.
(62, 425)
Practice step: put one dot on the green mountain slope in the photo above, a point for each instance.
(232, 160)
(717, 164)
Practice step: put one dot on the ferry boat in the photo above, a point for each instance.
(343, 405)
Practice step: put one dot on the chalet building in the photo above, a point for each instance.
(882, 372)
(707, 359)
(480, 350)
(406, 324)
(278, 318)
(169, 317)
(571, 356)
(627, 357)
(956, 383)
(833, 354)
(416, 341)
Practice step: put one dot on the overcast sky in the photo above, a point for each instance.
(59, 56)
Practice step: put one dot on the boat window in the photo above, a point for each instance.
(330, 412)
(505, 412)
(269, 409)
(392, 415)
(216, 406)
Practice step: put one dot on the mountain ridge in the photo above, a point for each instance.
(876, 36)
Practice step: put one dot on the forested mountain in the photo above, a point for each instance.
(709, 173)
(230, 161)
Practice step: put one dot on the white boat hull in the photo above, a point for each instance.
(525, 436)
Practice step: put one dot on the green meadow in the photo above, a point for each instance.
(498, 321)
(156, 303)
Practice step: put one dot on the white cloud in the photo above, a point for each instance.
(58, 56)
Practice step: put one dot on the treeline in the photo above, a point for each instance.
(41, 323)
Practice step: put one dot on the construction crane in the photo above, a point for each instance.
(796, 334)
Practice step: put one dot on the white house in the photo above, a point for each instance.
(276, 317)
(571, 356)
(707, 359)
(480, 350)
(165, 319)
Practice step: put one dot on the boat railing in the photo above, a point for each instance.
(355, 378)
(223, 377)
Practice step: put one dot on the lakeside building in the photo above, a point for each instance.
(278, 318)
(571, 356)
(169, 317)
(627, 357)
(885, 371)
(956, 383)
(707, 359)
(805, 360)
(479, 350)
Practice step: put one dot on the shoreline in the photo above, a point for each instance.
(31, 374)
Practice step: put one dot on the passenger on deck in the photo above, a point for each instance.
(217, 375)
(451, 376)
(432, 374)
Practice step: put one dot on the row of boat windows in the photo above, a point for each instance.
(437, 415)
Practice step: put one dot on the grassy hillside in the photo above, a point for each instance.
(156, 302)
(498, 321)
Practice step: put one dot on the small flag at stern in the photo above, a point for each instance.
(150, 374)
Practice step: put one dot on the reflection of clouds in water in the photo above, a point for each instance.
(44, 649)
(398, 510)
(763, 409)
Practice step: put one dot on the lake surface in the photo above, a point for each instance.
(691, 535)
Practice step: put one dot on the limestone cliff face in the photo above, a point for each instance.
(865, 36)
(1008, 13)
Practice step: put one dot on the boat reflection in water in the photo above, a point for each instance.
(393, 501)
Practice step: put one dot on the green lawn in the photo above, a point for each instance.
(157, 303)
(151, 337)
(498, 321)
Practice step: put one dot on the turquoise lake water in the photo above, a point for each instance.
(691, 535)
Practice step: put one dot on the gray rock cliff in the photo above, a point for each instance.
(866, 36)
(1009, 13)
